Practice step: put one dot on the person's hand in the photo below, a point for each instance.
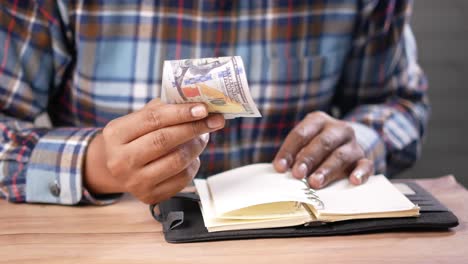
(152, 153)
(324, 149)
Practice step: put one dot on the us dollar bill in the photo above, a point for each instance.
(220, 83)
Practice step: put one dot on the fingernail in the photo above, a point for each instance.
(318, 178)
(198, 111)
(358, 175)
(283, 163)
(214, 122)
(205, 137)
(302, 169)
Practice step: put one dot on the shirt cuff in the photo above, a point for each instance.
(105, 199)
(55, 169)
(372, 144)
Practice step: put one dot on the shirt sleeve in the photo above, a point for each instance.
(383, 91)
(38, 165)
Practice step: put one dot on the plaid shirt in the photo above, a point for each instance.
(87, 62)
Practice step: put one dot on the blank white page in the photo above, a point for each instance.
(377, 195)
(253, 185)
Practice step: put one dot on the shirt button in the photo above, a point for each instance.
(55, 188)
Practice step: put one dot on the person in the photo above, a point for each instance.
(337, 83)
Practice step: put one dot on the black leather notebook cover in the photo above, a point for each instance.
(182, 221)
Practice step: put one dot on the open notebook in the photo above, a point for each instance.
(256, 196)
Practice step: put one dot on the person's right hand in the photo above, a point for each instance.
(152, 153)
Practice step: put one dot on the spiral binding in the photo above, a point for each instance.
(311, 194)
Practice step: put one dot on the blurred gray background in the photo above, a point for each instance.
(441, 30)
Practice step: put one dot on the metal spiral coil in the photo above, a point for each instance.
(312, 195)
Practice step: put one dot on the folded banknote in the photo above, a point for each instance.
(220, 83)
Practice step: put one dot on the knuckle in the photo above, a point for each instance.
(309, 116)
(109, 130)
(201, 143)
(359, 151)
(120, 163)
(197, 128)
(186, 177)
(153, 119)
(183, 112)
(113, 166)
(195, 145)
(160, 140)
(327, 141)
(342, 155)
(306, 156)
(318, 115)
(194, 167)
(308, 160)
(300, 132)
(179, 159)
(347, 130)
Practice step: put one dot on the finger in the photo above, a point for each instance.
(297, 139)
(175, 162)
(335, 166)
(159, 143)
(321, 146)
(173, 185)
(152, 117)
(364, 169)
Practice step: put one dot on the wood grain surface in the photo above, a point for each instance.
(126, 233)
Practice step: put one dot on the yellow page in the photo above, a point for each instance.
(213, 223)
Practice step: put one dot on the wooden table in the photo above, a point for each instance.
(126, 233)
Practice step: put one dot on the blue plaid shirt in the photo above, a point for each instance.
(88, 62)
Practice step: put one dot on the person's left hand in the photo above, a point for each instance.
(325, 149)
